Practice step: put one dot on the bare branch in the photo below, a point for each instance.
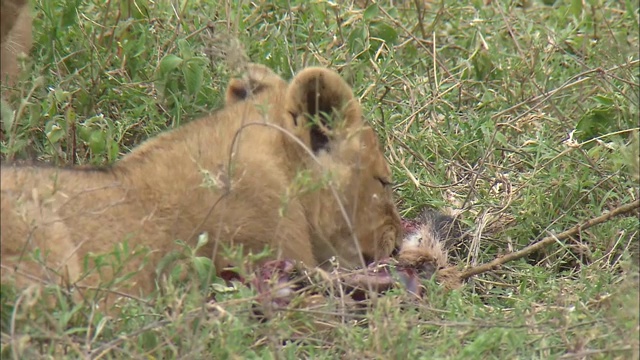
(548, 241)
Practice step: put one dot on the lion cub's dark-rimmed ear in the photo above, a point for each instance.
(321, 103)
(258, 78)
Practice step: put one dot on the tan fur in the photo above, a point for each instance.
(15, 37)
(179, 185)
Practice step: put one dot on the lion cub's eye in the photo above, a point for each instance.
(384, 182)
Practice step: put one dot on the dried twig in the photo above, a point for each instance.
(548, 241)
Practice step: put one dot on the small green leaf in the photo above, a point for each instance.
(114, 150)
(356, 40)
(223, 289)
(371, 12)
(6, 115)
(501, 139)
(630, 6)
(136, 9)
(596, 122)
(169, 63)
(168, 260)
(393, 12)
(69, 15)
(603, 100)
(55, 134)
(97, 142)
(202, 265)
(84, 133)
(576, 7)
(61, 95)
(384, 31)
(176, 271)
(185, 49)
(193, 74)
(482, 64)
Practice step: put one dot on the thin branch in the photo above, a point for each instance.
(548, 241)
(573, 81)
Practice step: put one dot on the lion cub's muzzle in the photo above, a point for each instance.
(386, 239)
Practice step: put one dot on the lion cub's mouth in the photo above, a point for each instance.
(368, 259)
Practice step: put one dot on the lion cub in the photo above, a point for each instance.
(292, 166)
(15, 37)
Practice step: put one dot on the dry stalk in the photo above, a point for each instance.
(548, 241)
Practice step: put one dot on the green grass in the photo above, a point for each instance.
(521, 118)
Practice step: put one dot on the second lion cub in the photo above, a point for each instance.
(288, 165)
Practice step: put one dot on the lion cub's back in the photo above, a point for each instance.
(42, 197)
(48, 180)
(65, 213)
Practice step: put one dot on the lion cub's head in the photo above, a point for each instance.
(338, 169)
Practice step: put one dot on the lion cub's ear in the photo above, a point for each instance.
(322, 104)
(256, 80)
